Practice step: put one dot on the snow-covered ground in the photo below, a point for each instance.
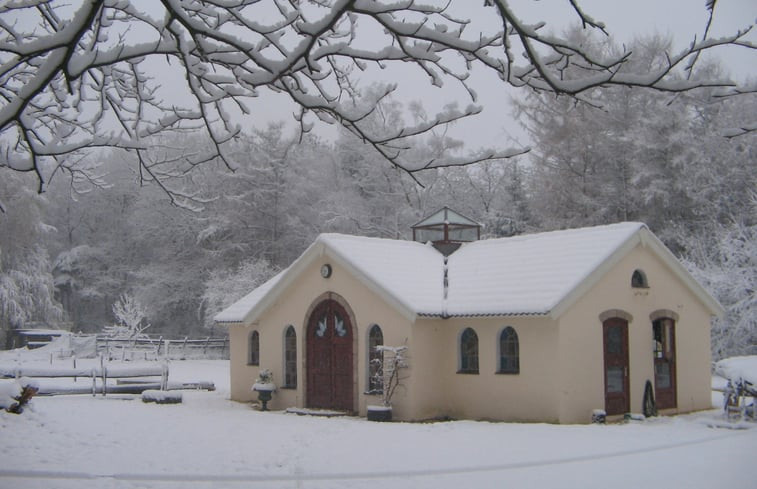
(117, 441)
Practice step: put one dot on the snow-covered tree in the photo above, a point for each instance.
(26, 281)
(106, 73)
(224, 287)
(729, 271)
(131, 319)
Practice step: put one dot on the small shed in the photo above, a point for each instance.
(544, 327)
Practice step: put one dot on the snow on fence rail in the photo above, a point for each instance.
(155, 348)
(102, 373)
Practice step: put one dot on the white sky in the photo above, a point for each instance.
(625, 20)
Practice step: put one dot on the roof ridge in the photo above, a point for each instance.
(584, 229)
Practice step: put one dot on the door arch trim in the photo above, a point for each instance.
(319, 301)
(616, 366)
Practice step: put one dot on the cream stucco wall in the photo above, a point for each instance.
(581, 357)
(292, 308)
(561, 375)
(439, 390)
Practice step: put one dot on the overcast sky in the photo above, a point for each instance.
(625, 20)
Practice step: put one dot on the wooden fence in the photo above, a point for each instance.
(155, 348)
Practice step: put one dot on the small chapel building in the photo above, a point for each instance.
(545, 327)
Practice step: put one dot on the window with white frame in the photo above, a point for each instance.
(253, 354)
(290, 358)
(468, 352)
(375, 359)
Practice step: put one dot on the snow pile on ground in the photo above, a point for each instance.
(9, 391)
(207, 441)
(738, 369)
(161, 397)
(63, 346)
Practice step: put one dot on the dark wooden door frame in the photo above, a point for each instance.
(615, 368)
(665, 363)
(330, 357)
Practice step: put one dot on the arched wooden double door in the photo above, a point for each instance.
(330, 358)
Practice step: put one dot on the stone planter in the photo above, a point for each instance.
(379, 413)
(265, 392)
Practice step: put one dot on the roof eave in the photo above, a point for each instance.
(483, 315)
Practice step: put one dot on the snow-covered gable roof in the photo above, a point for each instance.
(408, 275)
(538, 274)
(529, 274)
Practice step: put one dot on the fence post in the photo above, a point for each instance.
(205, 348)
(102, 372)
(184, 349)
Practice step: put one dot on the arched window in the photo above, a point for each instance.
(468, 352)
(290, 358)
(639, 280)
(375, 359)
(509, 354)
(253, 356)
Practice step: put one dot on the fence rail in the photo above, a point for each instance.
(153, 348)
(99, 375)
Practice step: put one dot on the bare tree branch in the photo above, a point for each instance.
(116, 73)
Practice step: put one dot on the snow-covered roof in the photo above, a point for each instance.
(529, 274)
(537, 274)
(412, 273)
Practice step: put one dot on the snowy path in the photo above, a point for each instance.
(208, 441)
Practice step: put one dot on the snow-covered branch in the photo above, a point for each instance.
(118, 73)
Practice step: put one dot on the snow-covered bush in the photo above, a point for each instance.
(15, 394)
(394, 360)
(264, 382)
